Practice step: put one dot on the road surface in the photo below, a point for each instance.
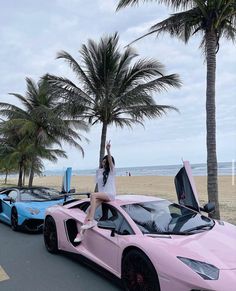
(25, 265)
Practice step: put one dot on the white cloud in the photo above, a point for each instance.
(107, 5)
(34, 32)
(140, 29)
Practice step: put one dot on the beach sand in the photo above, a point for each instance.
(154, 185)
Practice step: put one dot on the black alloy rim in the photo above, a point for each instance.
(137, 275)
(14, 219)
(50, 235)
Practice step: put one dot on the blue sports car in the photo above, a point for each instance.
(24, 208)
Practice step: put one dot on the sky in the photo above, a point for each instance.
(33, 32)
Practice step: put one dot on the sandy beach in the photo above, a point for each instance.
(154, 185)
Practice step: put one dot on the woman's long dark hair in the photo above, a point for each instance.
(107, 169)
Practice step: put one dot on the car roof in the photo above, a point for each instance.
(120, 200)
(134, 198)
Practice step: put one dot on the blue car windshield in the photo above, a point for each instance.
(157, 217)
(39, 194)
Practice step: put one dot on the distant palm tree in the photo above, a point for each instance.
(17, 151)
(6, 167)
(113, 89)
(42, 124)
(213, 19)
(13, 149)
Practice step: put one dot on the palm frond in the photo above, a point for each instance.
(76, 68)
(140, 92)
(11, 111)
(229, 32)
(141, 112)
(31, 93)
(176, 4)
(182, 24)
(66, 88)
(122, 121)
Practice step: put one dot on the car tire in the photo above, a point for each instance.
(14, 219)
(50, 235)
(138, 273)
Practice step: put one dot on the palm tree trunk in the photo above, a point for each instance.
(6, 177)
(103, 142)
(102, 147)
(20, 174)
(31, 177)
(24, 175)
(212, 176)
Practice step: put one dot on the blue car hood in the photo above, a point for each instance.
(26, 207)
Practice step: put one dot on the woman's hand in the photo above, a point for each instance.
(108, 145)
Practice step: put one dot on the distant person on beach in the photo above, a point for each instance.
(105, 179)
(129, 174)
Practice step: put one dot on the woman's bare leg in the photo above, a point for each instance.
(87, 214)
(96, 199)
(87, 218)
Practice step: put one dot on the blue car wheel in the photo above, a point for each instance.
(14, 219)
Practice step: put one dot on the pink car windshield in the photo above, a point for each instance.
(165, 217)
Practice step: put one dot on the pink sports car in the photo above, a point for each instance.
(151, 243)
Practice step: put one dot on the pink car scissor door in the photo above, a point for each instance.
(102, 244)
(185, 187)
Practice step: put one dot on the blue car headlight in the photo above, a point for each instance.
(206, 271)
(33, 211)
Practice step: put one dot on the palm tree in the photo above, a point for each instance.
(16, 150)
(6, 167)
(13, 148)
(43, 123)
(214, 19)
(113, 88)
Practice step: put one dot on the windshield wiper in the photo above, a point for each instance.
(55, 198)
(209, 225)
(165, 233)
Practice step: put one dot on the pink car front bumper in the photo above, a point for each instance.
(226, 282)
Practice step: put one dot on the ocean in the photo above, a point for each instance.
(225, 168)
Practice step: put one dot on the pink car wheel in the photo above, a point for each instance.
(50, 235)
(138, 273)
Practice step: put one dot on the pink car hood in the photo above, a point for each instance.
(216, 246)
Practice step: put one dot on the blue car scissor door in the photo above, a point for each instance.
(7, 201)
(5, 211)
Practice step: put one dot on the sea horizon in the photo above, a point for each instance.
(199, 169)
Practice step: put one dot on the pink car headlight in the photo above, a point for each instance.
(206, 271)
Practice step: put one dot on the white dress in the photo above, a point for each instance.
(110, 187)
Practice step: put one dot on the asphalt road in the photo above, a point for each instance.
(29, 267)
